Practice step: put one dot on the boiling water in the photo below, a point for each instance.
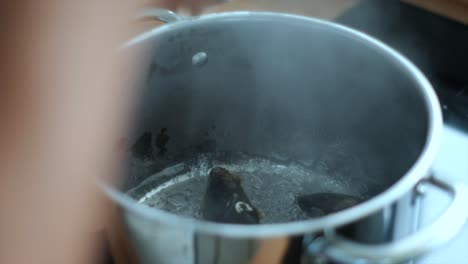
(271, 186)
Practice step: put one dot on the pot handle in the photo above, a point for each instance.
(338, 248)
(159, 14)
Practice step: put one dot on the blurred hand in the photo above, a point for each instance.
(65, 95)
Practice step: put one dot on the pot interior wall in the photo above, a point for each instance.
(270, 87)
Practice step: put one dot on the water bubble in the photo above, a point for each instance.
(177, 199)
(199, 59)
(271, 186)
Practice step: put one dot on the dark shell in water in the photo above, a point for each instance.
(142, 148)
(319, 204)
(225, 200)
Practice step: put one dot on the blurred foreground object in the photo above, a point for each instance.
(65, 97)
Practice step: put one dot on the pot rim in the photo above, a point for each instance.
(419, 169)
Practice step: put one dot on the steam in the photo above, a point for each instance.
(285, 85)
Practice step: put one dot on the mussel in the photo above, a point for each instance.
(225, 200)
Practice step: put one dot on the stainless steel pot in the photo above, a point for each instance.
(276, 83)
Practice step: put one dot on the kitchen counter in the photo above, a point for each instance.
(325, 9)
(330, 9)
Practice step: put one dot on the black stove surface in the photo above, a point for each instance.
(437, 45)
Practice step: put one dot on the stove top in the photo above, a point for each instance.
(439, 47)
